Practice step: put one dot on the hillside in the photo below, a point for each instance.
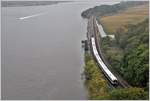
(128, 53)
(131, 15)
(103, 10)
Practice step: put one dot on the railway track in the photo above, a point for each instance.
(92, 31)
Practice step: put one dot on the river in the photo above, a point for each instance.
(42, 57)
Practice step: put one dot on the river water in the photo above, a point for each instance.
(42, 57)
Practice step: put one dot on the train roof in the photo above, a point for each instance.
(104, 67)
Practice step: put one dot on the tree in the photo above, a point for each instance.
(128, 94)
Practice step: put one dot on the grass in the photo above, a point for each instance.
(95, 83)
(132, 15)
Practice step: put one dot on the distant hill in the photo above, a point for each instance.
(28, 3)
(110, 9)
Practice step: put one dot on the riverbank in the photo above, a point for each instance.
(98, 88)
(94, 79)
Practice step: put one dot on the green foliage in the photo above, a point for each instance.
(136, 67)
(135, 64)
(95, 83)
(112, 53)
(98, 89)
(128, 94)
(132, 93)
(128, 54)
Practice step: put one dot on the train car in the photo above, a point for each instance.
(104, 68)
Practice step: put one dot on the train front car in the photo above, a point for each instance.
(114, 80)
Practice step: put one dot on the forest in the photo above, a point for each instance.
(131, 56)
(128, 53)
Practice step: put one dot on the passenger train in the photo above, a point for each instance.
(104, 68)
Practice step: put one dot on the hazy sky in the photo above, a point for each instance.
(75, 0)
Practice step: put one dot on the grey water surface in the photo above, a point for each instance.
(42, 57)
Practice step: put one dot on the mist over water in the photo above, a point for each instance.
(42, 57)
